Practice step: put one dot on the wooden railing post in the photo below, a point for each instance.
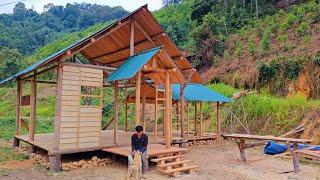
(182, 110)
(218, 123)
(33, 95)
(116, 112)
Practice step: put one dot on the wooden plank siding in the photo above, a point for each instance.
(80, 125)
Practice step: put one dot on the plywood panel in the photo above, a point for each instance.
(90, 124)
(70, 69)
(80, 125)
(69, 119)
(90, 119)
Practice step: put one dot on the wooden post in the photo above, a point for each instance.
(195, 118)
(177, 115)
(242, 150)
(167, 112)
(18, 111)
(155, 128)
(143, 116)
(138, 83)
(182, 110)
(218, 123)
(55, 160)
(33, 95)
(132, 37)
(188, 126)
(126, 109)
(295, 157)
(201, 118)
(116, 113)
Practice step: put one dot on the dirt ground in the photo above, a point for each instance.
(217, 161)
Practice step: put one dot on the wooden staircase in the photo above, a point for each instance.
(174, 164)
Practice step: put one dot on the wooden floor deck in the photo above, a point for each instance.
(45, 141)
(153, 150)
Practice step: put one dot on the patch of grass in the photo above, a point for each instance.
(222, 88)
(7, 153)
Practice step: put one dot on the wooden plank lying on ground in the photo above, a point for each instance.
(257, 137)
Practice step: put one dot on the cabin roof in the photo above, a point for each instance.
(192, 92)
(111, 45)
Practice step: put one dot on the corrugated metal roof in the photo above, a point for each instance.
(198, 92)
(132, 65)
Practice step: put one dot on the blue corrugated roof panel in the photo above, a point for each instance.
(198, 92)
(132, 65)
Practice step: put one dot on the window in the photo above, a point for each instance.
(90, 96)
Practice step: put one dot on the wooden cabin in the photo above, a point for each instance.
(130, 52)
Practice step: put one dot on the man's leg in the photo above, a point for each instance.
(144, 162)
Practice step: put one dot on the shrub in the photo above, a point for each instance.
(302, 29)
(292, 68)
(265, 42)
(268, 71)
(251, 46)
(282, 38)
(239, 51)
(317, 60)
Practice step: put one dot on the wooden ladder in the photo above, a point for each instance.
(174, 164)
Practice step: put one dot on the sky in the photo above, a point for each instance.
(130, 5)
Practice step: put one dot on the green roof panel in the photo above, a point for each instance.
(132, 65)
(198, 92)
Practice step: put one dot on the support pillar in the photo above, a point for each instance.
(218, 123)
(167, 113)
(138, 85)
(126, 110)
(143, 116)
(201, 119)
(182, 110)
(33, 100)
(155, 128)
(188, 120)
(55, 160)
(195, 118)
(18, 111)
(116, 113)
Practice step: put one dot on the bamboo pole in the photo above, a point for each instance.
(167, 112)
(218, 123)
(138, 87)
(116, 112)
(143, 116)
(33, 108)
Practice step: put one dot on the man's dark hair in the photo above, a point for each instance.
(139, 128)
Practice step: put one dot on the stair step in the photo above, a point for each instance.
(173, 163)
(167, 158)
(178, 170)
(161, 99)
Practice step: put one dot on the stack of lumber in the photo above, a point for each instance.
(93, 162)
(174, 164)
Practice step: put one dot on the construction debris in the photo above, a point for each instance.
(94, 162)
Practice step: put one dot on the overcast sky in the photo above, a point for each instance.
(129, 5)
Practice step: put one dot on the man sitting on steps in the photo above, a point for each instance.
(139, 142)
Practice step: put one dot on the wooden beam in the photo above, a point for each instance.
(218, 123)
(155, 128)
(126, 109)
(18, 108)
(90, 66)
(124, 49)
(132, 37)
(116, 113)
(145, 33)
(38, 73)
(43, 81)
(201, 116)
(177, 115)
(167, 113)
(33, 95)
(182, 110)
(195, 118)
(188, 120)
(55, 161)
(138, 89)
(158, 70)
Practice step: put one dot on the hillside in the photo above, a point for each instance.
(279, 52)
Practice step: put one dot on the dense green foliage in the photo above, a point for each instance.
(27, 30)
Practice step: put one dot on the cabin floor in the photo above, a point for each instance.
(44, 141)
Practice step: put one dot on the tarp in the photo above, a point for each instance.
(273, 148)
(198, 92)
(132, 65)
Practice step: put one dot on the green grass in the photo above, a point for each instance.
(223, 89)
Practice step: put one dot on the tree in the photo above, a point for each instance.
(170, 2)
(10, 62)
(252, 48)
(239, 51)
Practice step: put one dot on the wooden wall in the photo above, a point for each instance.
(80, 125)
